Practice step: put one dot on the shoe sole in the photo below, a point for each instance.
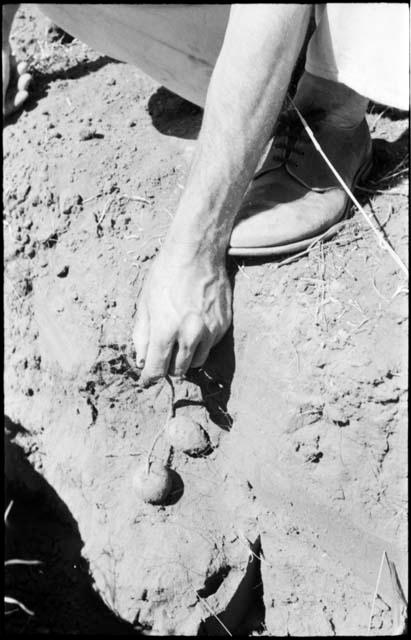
(300, 245)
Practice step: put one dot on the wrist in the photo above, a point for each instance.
(198, 235)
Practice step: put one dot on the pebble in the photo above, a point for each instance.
(88, 133)
(23, 239)
(336, 415)
(68, 202)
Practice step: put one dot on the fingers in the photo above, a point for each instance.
(22, 68)
(141, 336)
(194, 344)
(183, 357)
(168, 352)
(23, 82)
(202, 352)
(20, 98)
(158, 359)
(18, 81)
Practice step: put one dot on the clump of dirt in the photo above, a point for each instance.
(280, 528)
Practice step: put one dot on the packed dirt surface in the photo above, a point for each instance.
(281, 527)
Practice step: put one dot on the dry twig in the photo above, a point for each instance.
(170, 415)
(383, 557)
(214, 614)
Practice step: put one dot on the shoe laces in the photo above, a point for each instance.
(289, 131)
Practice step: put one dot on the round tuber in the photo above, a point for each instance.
(186, 435)
(153, 485)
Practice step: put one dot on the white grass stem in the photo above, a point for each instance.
(9, 600)
(383, 557)
(8, 563)
(170, 415)
(214, 615)
(7, 512)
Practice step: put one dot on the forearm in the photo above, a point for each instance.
(246, 92)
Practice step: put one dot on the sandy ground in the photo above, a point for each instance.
(280, 530)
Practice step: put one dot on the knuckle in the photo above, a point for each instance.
(192, 327)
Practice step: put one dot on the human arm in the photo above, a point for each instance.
(185, 306)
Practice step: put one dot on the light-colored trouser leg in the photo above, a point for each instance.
(364, 46)
(177, 45)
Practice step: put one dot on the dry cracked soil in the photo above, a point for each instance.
(281, 528)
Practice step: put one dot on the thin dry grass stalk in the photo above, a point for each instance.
(383, 242)
(214, 615)
(9, 600)
(384, 555)
(15, 561)
(7, 512)
(160, 432)
(400, 603)
(8, 563)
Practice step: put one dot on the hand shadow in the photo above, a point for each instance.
(216, 376)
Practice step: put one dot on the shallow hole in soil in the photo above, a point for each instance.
(245, 613)
(214, 582)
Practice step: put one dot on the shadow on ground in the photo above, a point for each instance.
(174, 116)
(245, 613)
(40, 527)
(216, 376)
(42, 80)
(387, 155)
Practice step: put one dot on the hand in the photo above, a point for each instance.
(184, 310)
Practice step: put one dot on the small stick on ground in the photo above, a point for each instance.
(106, 208)
(396, 168)
(386, 192)
(136, 199)
(377, 119)
(383, 557)
(8, 563)
(7, 512)
(97, 195)
(319, 238)
(9, 600)
(171, 413)
(389, 214)
(214, 614)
